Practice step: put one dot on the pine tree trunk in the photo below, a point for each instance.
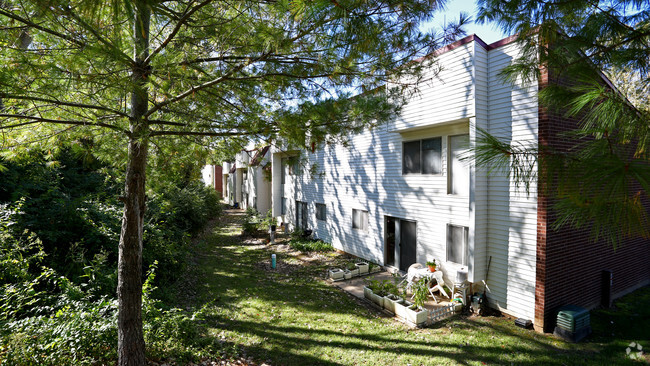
(131, 347)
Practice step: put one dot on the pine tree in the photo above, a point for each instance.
(602, 182)
(130, 73)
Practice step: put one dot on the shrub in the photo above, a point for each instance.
(305, 245)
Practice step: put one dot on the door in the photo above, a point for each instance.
(391, 242)
(407, 245)
(400, 245)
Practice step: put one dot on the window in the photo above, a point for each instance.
(458, 169)
(321, 211)
(457, 244)
(245, 175)
(284, 206)
(360, 220)
(422, 156)
(283, 167)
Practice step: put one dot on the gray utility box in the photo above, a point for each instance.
(573, 323)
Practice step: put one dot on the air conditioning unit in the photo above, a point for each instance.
(573, 323)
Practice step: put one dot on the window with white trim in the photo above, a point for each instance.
(321, 212)
(457, 237)
(422, 156)
(458, 176)
(360, 220)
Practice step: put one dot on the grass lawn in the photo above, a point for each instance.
(290, 316)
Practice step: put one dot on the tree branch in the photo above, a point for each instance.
(99, 37)
(215, 134)
(41, 28)
(208, 84)
(176, 29)
(34, 120)
(59, 102)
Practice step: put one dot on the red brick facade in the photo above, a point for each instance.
(569, 265)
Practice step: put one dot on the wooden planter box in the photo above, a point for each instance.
(390, 302)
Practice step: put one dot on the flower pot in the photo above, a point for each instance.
(367, 293)
(400, 308)
(363, 267)
(354, 272)
(336, 274)
(432, 268)
(416, 316)
(390, 302)
(379, 300)
(347, 275)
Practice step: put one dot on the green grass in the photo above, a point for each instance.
(290, 316)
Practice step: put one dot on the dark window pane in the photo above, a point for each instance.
(431, 156)
(411, 157)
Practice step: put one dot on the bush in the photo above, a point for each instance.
(305, 245)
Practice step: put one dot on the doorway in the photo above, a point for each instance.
(400, 244)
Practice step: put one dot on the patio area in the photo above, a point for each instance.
(442, 309)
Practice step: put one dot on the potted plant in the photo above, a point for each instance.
(392, 296)
(373, 267)
(353, 269)
(377, 292)
(336, 274)
(416, 313)
(363, 267)
(432, 265)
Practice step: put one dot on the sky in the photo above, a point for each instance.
(489, 33)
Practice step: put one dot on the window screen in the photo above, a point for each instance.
(321, 211)
(411, 158)
(360, 220)
(457, 244)
(431, 156)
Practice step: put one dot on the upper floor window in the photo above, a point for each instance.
(458, 174)
(422, 156)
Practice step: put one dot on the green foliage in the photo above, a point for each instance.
(383, 287)
(420, 293)
(308, 245)
(601, 182)
(251, 222)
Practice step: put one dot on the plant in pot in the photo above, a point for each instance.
(363, 267)
(432, 265)
(336, 274)
(392, 297)
(416, 313)
(352, 268)
(376, 293)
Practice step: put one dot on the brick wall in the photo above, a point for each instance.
(569, 264)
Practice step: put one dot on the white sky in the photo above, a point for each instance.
(489, 33)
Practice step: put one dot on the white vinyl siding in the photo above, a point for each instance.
(368, 173)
